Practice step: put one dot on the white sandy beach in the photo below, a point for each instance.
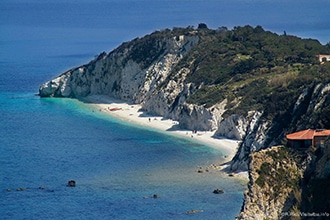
(132, 113)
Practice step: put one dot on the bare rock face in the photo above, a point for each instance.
(120, 73)
(250, 130)
(233, 127)
(56, 87)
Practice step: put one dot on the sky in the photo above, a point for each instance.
(117, 21)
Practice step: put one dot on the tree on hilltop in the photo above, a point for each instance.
(202, 26)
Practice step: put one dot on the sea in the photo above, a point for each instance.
(118, 167)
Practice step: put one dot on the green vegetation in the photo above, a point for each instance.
(249, 59)
(252, 68)
(277, 174)
(259, 70)
(263, 172)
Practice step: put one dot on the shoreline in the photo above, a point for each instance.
(132, 113)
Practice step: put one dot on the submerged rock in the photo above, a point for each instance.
(71, 183)
(21, 189)
(194, 211)
(218, 191)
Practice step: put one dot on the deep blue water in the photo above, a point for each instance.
(46, 142)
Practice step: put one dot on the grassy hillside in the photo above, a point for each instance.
(247, 62)
(254, 69)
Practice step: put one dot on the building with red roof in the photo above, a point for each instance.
(308, 138)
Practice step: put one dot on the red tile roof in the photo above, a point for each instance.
(307, 134)
(301, 135)
(322, 133)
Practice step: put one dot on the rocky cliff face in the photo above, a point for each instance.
(274, 182)
(124, 75)
(258, 132)
(288, 184)
(121, 73)
(315, 192)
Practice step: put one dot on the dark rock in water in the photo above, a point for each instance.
(71, 183)
(21, 189)
(218, 191)
(155, 196)
(231, 174)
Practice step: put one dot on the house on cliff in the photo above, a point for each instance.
(323, 58)
(307, 138)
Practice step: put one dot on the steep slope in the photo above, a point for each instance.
(139, 72)
(246, 83)
(308, 107)
(288, 184)
(315, 191)
(275, 174)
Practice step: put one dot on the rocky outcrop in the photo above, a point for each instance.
(253, 139)
(71, 183)
(273, 187)
(233, 127)
(123, 75)
(288, 184)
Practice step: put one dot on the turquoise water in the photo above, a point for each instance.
(117, 166)
(46, 142)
